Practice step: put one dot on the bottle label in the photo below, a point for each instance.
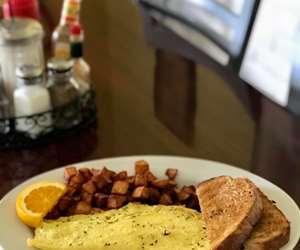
(62, 50)
(71, 11)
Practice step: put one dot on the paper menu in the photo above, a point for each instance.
(269, 58)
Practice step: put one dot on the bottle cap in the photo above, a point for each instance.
(76, 29)
(21, 8)
(59, 65)
(29, 74)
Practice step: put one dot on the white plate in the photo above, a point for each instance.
(13, 234)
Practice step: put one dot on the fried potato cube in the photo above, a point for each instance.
(89, 187)
(100, 200)
(182, 195)
(82, 208)
(165, 183)
(141, 193)
(65, 203)
(141, 167)
(95, 171)
(76, 198)
(150, 176)
(160, 183)
(137, 202)
(107, 174)
(76, 180)
(71, 210)
(120, 187)
(116, 201)
(131, 181)
(107, 189)
(86, 173)
(170, 191)
(140, 180)
(112, 173)
(165, 199)
(70, 190)
(154, 195)
(189, 189)
(130, 199)
(171, 173)
(54, 214)
(87, 197)
(96, 210)
(172, 183)
(120, 176)
(99, 181)
(69, 172)
(193, 203)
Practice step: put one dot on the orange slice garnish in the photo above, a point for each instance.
(37, 200)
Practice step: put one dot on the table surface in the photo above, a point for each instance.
(139, 114)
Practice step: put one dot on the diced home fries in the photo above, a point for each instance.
(93, 190)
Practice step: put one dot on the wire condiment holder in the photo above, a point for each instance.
(11, 138)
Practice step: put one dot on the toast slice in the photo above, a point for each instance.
(231, 208)
(272, 231)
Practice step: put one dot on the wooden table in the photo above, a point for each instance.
(156, 102)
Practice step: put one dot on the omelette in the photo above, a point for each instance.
(133, 227)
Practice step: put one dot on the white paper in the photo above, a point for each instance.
(268, 61)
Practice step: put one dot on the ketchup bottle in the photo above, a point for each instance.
(21, 8)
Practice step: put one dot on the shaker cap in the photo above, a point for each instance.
(17, 30)
(60, 65)
(29, 71)
(29, 74)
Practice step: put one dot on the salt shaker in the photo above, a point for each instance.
(30, 98)
(20, 44)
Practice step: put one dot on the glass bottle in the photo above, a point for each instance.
(64, 92)
(82, 70)
(32, 98)
(61, 34)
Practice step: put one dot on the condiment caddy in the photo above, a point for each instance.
(40, 103)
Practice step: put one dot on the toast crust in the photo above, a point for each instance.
(273, 230)
(231, 208)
